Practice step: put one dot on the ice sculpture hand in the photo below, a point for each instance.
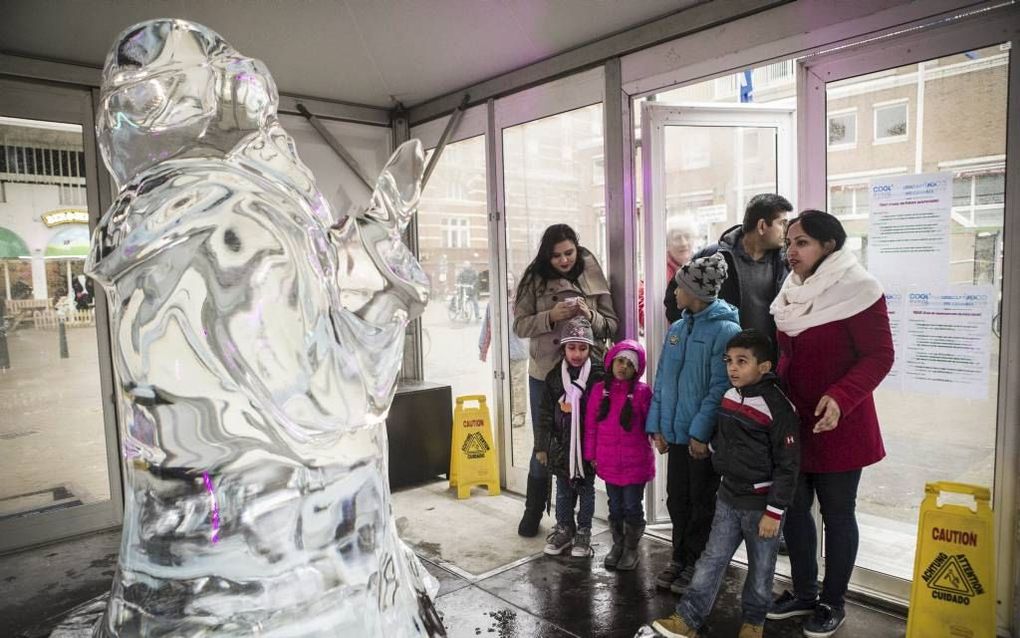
(257, 347)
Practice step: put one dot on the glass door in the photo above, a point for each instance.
(926, 111)
(701, 163)
(550, 150)
(59, 470)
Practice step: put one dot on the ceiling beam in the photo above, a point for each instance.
(697, 18)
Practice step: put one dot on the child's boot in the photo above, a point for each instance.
(632, 536)
(613, 557)
(559, 539)
(582, 543)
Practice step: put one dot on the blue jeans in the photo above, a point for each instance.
(837, 499)
(536, 388)
(626, 503)
(568, 493)
(729, 527)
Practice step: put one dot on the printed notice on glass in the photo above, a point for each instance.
(894, 306)
(947, 338)
(908, 238)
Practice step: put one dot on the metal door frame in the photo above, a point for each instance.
(655, 117)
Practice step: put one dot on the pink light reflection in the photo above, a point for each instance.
(215, 537)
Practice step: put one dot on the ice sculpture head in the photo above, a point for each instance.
(173, 88)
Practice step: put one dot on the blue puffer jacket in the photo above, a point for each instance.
(691, 377)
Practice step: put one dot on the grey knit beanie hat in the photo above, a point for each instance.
(703, 277)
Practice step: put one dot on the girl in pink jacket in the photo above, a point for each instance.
(616, 443)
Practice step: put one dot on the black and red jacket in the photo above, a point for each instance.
(756, 448)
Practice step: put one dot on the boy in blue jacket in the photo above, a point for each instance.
(689, 385)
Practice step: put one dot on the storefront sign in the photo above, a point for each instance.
(65, 216)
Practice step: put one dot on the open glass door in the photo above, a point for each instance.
(59, 470)
(926, 109)
(701, 163)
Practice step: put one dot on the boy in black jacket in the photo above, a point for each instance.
(560, 441)
(756, 449)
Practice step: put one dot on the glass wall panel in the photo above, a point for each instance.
(947, 117)
(453, 242)
(52, 436)
(553, 172)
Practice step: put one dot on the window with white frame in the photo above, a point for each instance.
(842, 129)
(891, 121)
(979, 189)
(456, 232)
(849, 201)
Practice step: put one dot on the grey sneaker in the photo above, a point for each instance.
(558, 540)
(582, 543)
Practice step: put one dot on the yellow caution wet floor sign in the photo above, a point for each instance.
(953, 592)
(473, 459)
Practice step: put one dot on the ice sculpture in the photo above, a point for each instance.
(257, 346)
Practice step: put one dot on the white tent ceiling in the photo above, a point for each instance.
(372, 52)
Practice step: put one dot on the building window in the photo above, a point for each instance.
(456, 232)
(979, 193)
(849, 201)
(891, 121)
(843, 130)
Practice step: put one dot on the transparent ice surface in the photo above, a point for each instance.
(256, 344)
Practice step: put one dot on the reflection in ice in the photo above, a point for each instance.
(257, 345)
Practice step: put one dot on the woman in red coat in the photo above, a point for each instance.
(835, 348)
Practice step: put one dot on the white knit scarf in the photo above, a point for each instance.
(839, 289)
(573, 390)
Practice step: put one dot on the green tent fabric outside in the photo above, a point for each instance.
(11, 245)
(72, 241)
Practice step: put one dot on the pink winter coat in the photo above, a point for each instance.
(621, 457)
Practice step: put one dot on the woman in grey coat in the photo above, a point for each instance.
(564, 280)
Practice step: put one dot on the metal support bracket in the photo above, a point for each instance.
(337, 147)
(451, 125)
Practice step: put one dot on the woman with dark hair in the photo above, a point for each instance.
(563, 281)
(835, 348)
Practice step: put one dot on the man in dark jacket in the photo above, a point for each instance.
(756, 263)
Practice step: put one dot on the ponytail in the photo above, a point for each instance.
(626, 409)
(604, 406)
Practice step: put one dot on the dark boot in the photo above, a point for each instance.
(632, 536)
(613, 557)
(534, 503)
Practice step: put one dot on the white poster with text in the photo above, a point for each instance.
(908, 238)
(947, 341)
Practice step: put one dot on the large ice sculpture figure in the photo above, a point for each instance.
(257, 346)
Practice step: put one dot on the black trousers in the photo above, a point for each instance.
(837, 499)
(690, 498)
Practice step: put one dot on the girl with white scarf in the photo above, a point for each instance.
(561, 437)
(835, 348)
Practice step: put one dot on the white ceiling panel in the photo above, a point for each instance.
(364, 51)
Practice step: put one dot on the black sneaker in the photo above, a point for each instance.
(788, 606)
(683, 581)
(668, 575)
(826, 620)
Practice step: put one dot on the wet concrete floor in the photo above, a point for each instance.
(543, 597)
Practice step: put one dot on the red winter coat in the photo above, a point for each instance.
(846, 360)
(621, 457)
